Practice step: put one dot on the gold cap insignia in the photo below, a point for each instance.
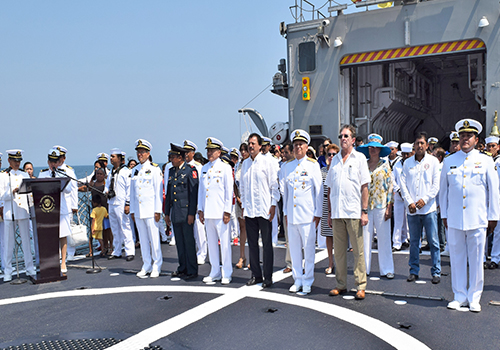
(209, 141)
(466, 123)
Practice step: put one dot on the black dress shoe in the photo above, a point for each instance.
(253, 281)
(436, 279)
(493, 265)
(190, 276)
(267, 283)
(412, 278)
(130, 257)
(486, 265)
(112, 257)
(178, 274)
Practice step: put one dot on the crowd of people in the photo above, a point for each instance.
(345, 197)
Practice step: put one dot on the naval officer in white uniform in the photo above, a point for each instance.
(302, 209)
(71, 197)
(54, 170)
(16, 212)
(469, 201)
(215, 199)
(118, 192)
(199, 229)
(146, 196)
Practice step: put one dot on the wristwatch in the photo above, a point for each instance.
(364, 211)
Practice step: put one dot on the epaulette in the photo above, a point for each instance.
(47, 169)
(154, 164)
(291, 160)
(311, 160)
(61, 169)
(197, 163)
(67, 166)
(449, 154)
(486, 153)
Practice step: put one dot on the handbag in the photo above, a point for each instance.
(78, 234)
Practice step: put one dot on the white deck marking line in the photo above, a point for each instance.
(381, 330)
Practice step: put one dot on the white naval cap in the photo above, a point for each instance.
(144, 144)
(235, 152)
(54, 153)
(212, 142)
(61, 149)
(375, 138)
(302, 135)
(454, 136)
(468, 125)
(225, 150)
(15, 154)
(266, 141)
(392, 144)
(102, 156)
(406, 147)
(114, 151)
(492, 139)
(124, 154)
(190, 145)
(432, 140)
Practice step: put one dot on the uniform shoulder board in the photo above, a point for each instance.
(154, 164)
(197, 163)
(311, 160)
(449, 154)
(47, 169)
(291, 160)
(67, 166)
(22, 170)
(62, 169)
(486, 153)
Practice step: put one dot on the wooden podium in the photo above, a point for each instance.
(45, 218)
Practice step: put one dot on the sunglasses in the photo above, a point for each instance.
(331, 154)
(345, 136)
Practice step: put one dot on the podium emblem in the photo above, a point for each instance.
(47, 204)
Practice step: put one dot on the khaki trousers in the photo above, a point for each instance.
(342, 230)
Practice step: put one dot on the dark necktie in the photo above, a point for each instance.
(53, 173)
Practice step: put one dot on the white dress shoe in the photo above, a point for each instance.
(142, 274)
(475, 307)
(295, 288)
(306, 289)
(455, 305)
(209, 279)
(31, 272)
(155, 274)
(7, 278)
(226, 281)
(172, 241)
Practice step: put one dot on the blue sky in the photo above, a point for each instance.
(93, 75)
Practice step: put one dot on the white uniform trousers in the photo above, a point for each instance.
(150, 244)
(200, 238)
(320, 238)
(467, 246)
(495, 250)
(275, 229)
(9, 244)
(400, 233)
(302, 236)
(122, 233)
(1, 246)
(217, 231)
(376, 222)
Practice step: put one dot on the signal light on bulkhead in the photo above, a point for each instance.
(306, 91)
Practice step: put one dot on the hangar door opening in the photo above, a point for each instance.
(396, 93)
